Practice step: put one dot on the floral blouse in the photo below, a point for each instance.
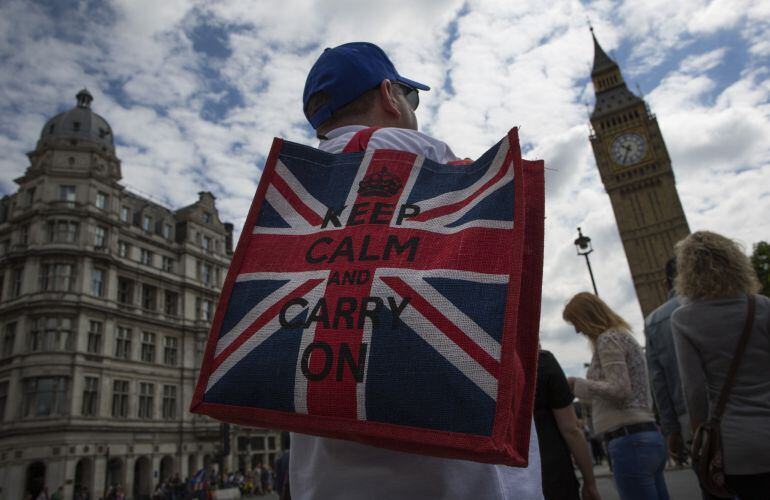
(617, 382)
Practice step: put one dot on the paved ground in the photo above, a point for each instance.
(681, 484)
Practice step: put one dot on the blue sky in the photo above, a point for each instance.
(195, 92)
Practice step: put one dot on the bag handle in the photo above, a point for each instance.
(730, 379)
(360, 140)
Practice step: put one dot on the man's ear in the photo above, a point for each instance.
(388, 99)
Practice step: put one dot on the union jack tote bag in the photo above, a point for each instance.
(387, 299)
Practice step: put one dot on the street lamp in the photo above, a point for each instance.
(583, 246)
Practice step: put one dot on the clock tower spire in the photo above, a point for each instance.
(636, 172)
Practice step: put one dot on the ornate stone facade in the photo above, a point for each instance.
(106, 299)
(636, 171)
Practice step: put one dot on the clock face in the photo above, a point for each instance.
(628, 149)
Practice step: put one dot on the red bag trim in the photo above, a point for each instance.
(360, 140)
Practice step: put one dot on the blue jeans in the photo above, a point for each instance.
(638, 462)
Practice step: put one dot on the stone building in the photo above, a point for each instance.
(636, 171)
(106, 300)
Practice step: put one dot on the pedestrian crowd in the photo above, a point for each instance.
(707, 352)
(255, 482)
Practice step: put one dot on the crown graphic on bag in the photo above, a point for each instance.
(380, 183)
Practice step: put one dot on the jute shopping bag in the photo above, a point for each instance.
(387, 299)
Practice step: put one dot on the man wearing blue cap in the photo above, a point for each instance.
(355, 86)
(356, 100)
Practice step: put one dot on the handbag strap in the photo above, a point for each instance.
(730, 379)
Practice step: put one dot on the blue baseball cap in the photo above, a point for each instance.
(346, 72)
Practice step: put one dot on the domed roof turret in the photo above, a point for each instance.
(78, 124)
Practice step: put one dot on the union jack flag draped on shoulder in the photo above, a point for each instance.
(387, 299)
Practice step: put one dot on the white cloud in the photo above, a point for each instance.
(717, 15)
(700, 63)
(510, 64)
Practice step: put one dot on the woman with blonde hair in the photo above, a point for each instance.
(715, 283)
(618, 389)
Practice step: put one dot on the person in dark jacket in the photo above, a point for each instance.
(559, 436)
(664, 371)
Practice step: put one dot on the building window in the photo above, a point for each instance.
(208, 310)
(24, 234)
(125, 213)
(170, 350)
(17, 279)
(90, 396)
(145, 256)
(169, 402)
(123, 249)
(167, 231)
(149, 297)
(62, 231)
(97, 282)
(51, 333)
(205, 309)
(125, 291)
(9, 339)
(146, 399)
(120, 398)
(207, 244)
(56, 277)
(204, 272)
(171, 302)
(44, 396)
(30, 196)
(146, 223)
(100, 237)
(123, 343)
(67, 193)
(271, 442)
(199, 347)
(257, 443)
(206, 217)
(101, 200)
(168, 264)
(3, 398)
(148, 347)
(95, 329)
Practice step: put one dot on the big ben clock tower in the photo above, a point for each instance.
(636, 171)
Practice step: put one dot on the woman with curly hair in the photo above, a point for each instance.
(715, 280)
(618, 388)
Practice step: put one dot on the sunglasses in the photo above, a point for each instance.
(411, 94)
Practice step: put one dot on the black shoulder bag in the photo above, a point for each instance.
(706, 450)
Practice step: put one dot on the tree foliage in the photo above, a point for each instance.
(760, 259)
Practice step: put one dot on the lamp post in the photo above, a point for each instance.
(583, 246)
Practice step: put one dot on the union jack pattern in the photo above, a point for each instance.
(372, 287)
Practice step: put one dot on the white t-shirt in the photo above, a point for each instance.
(323, 468)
